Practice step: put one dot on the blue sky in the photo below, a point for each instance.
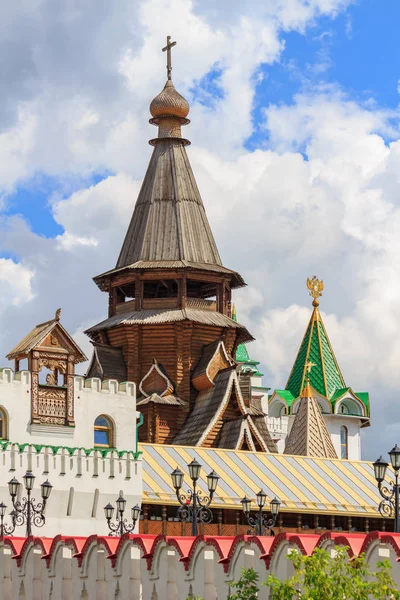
(358, 51)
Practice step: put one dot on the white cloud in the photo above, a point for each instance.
(321, 198)
(15, 283)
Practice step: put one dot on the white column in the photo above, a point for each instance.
(249, 559)
(136, 577)
(172, 588)
(37, 574)
(66, 585)
(101, 591)
(5, 573)
(210, 593)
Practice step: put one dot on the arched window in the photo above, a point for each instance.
(344, 442)
(3, 424)
(103, 432)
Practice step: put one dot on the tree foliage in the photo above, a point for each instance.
(323, 577)
(246, 587)
(334, 578)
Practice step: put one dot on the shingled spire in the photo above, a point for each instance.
(309, 435)
(326, 377)
(169, 226)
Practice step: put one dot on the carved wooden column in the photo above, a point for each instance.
(280, 521)
(219, 518)
(229, 302)
(112, 301)
(138, 293)
(237, 521)
(183, 291)
(70, 391)
(299, 522)
(33, 367)
(145, 519)
(164, 520)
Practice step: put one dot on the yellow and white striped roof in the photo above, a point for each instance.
(302, 484)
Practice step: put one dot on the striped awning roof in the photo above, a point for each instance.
(302, 484)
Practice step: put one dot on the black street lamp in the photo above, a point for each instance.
(194, 506)
(5, 529)
(26, 510)
(121, 526)
(389, 506)
(259, 521)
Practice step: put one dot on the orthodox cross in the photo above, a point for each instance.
(167, 49)
(309, 365)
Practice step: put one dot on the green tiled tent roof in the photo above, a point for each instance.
(241, 353)
(325, 376)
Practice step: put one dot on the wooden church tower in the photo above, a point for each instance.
(169, 325)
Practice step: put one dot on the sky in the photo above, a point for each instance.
(295, 131)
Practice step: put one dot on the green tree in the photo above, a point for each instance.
(321, 576)
(246, 587)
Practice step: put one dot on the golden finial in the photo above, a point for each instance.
(315, 286)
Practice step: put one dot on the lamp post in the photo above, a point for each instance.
(5, 529)
(121, 526)
(260, 521)
(26, 510)
(389, 506)
(194, 506)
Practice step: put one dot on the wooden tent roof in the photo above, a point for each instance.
(169, 223)
(309, 435)
(35, 337)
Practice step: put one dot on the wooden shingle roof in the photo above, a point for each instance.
(169, 226)
(152, 316)
(169, 221)
(107, 363)
(309, 435)
(35, 337)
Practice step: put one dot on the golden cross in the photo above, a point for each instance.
(168, 50)
(309, 365)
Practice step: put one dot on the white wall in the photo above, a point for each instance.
(91, 399)
(353, 424)
(83, 482)
(172, 567)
